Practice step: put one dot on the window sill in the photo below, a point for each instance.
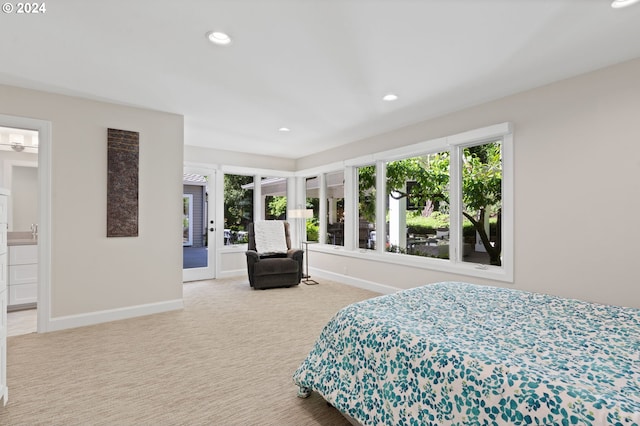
(442, 265)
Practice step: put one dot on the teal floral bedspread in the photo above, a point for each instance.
(463, 354)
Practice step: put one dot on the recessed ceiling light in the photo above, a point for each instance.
(217, 37)
(617, 4)
(284, 129)
(390, 97)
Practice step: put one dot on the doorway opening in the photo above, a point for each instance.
(19, 164)
(43, 129)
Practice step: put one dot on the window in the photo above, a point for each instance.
(367, 207)
(482, 203)
(312, 185)
(335, 208)
(238, 208)
(418, 205)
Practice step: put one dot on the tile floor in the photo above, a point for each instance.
(22, 322)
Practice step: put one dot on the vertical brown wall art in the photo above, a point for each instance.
(122, 183)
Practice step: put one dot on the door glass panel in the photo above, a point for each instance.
(187, 220)
(194, 222)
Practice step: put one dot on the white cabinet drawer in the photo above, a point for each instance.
(4, 200)
(23, 293)
(3, 237)
(23, 274)
(3, 271)
(21, 255)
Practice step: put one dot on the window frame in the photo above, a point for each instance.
(455, 144)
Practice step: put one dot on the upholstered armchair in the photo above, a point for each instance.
(271, 262)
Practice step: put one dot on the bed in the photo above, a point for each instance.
(457, 353)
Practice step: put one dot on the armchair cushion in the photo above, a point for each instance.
(273, 267)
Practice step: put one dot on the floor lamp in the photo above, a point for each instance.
(302, 215)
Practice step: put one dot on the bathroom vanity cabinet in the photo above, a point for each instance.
(23, 275)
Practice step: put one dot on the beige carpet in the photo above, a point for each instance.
(226, 359)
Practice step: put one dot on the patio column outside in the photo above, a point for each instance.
(397, 222)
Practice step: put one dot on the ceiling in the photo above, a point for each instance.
(318, 67)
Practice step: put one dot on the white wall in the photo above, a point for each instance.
(577, 187)
(194, 154)
(90, 272)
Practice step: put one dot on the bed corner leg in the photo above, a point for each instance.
(304, 392)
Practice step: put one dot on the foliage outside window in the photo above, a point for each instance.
(238, 208)
(276, 207)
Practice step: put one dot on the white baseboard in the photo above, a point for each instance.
(91, 318)
(355, 282)
(232, 273)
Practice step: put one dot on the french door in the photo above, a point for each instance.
(198, 224)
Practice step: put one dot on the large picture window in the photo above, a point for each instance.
(447, 204)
